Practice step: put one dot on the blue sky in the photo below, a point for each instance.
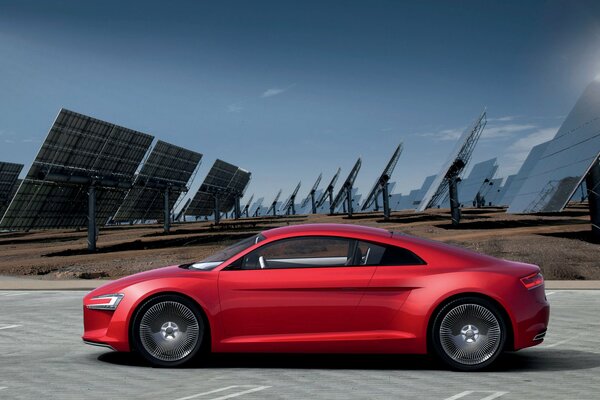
(291, 89)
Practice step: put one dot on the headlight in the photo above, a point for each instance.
(105, 302)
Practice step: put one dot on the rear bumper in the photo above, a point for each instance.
(532, 325)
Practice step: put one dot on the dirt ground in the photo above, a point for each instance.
(561, 244)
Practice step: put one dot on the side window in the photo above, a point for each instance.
(375, 254)
(369, 253)
(303, 252)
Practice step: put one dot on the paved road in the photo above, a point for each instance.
(42, 357)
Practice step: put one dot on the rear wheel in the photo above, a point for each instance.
(469, 333)
(168, 330)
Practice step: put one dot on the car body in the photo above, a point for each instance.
(326, 288)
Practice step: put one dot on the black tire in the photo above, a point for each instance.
(469, 333)
(168, 330)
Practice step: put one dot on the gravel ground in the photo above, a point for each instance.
(560, 244)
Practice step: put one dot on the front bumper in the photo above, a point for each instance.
(106, 328)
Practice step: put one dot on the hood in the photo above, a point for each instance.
(117, 285)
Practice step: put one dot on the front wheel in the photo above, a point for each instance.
(469, 333)
(168, 330)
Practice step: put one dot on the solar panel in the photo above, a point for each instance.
(346, 187)
(224, 182)
(459, 159)
(311, 196)
(505, 188)
(530, 162)
(356, 197)
(378, 187)
(566, 160)
(79, 151)
(328, 192)
(9, 176)
(246, 208)
(255, 208)
(289, 205)
(474, 183)
(167, 167)
(235, 190)
(491, 191)
(274, 205)
(413, 198)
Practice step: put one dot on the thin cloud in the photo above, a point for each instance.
(505, 130)
(444, 135)
(524, 145)
(275, 91)
(234, 108)
(517, 152)
(506, 118)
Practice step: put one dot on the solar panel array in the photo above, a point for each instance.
(566, 159)
(223, 182)
(9, 177)
(78, 151)
(167, 166)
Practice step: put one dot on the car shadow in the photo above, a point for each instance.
(527, 360)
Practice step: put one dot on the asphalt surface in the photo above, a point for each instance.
(42, 357)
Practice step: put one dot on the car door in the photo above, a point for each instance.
(295, 290)
(397, 274)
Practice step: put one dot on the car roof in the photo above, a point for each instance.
(326, 229)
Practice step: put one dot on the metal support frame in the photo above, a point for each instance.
(92, 218)
(274, 206)
(182, 211)
(349, 200)
(256, 212)
(592, 181)
(217, 212)
(167, 211)
(453, 194)
(386, 201)
(330, 191)
(313, 203)
(236, 207)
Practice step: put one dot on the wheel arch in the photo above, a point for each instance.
(207, 339)
(510, 337)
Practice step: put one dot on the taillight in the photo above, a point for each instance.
(532, 281)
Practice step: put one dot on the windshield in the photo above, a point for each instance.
(216, 259)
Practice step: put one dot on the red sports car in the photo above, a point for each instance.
(325, 288)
